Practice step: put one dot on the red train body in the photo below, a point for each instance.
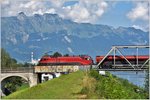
(87, 60)
(120, 60)
(110, 58)
(66, 60)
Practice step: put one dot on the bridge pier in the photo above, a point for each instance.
(33, 79)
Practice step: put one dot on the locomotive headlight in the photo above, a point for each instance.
(88, 58)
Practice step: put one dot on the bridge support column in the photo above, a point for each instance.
(33, 79)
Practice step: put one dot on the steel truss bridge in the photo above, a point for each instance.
(129, 66)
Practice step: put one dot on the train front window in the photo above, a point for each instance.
(87, 58)
(44, 59)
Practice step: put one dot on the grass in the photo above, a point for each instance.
(81, 85)
(23, 86)
(66, 86)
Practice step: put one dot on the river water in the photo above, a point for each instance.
(135, 77)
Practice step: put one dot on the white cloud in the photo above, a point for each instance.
(83, 11)
(28, 4)
(5, 2)
(57, 3)
(143, 28)
(13, 7)
(139, 12)
(38, 12)
(79, 14)
(52, 11)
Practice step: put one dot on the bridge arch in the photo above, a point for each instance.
(31, 78)
(3, 81)
(7, 76)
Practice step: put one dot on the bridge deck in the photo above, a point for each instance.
(17, 70)
(42, 69)
(121, 69)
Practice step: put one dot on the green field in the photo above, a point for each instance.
(82, 85)
(23, 86)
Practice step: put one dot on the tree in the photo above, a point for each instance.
(147, 81)
(11, 83)
(57, 54)
(7, 61)
(26, 64)
(46, 55)
(66, 55)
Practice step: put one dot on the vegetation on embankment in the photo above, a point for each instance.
(82, 85)
(112, 87)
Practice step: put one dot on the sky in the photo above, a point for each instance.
(114, 13)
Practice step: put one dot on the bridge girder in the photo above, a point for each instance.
(115, 49)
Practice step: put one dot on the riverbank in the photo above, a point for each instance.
(80, 85)
(135, 77)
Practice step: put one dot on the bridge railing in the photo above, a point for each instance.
(17, 70)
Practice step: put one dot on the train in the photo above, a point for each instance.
(84, 61)
(121, 61)
(87, 60)
(66, 60)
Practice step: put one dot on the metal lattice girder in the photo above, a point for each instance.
(132, 46)
(116, 48)
(137, 60)
(145, 62)
(104, 58)
(114, 57)
(125, 58)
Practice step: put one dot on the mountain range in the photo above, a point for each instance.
(23, 34)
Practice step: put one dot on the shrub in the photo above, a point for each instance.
(112, 87)
(88, 84)
(94, 74)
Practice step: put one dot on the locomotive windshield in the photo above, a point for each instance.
(87, 58)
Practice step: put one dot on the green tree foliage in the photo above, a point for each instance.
(46, 55)
(7, 61)
(111, 87)
(57, 54)
(147, 82)
(5, 58)
(66, 55)
(26, 64)
(11, 83)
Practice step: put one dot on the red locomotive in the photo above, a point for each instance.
(66, 60)
(120, 60)
(87, 60)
